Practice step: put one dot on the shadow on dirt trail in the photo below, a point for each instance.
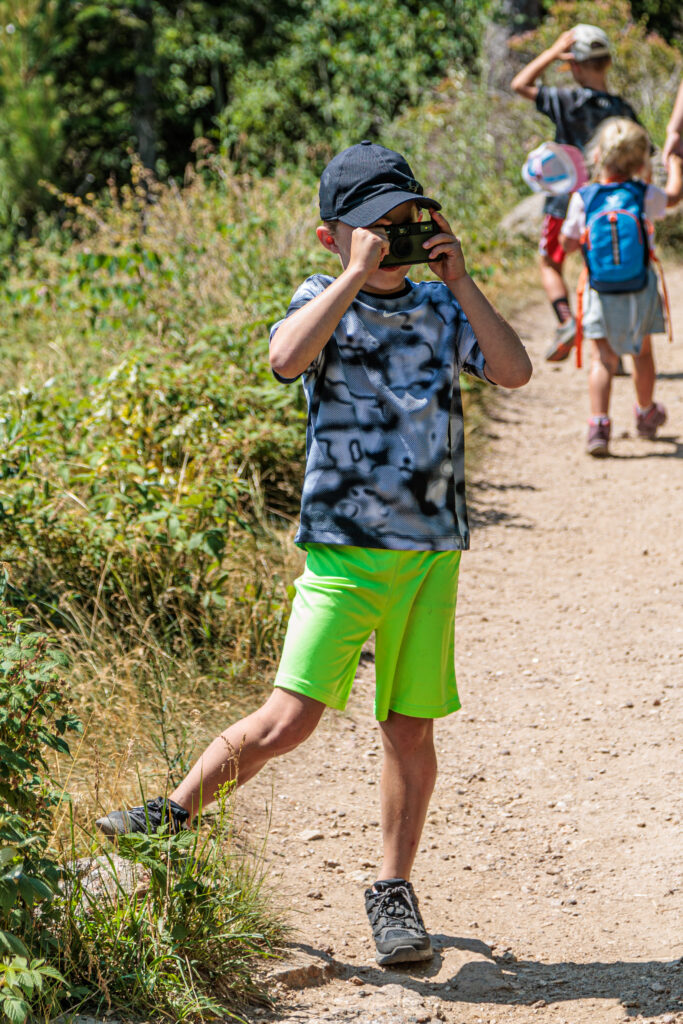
(644, 988)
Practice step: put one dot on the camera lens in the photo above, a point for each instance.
(400, 247)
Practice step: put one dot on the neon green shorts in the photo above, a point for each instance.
(406, 597)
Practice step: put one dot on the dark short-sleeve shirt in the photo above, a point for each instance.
(576, 114)
(385, 436)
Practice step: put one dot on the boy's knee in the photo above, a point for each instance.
(408, 735)
(608, 358)
(289, 721)
(546, 263)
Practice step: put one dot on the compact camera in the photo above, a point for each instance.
(405, 243)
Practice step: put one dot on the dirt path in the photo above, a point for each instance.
(550, 869)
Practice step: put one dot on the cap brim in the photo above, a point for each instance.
(378, 207)
(602, 52)
(580, 169)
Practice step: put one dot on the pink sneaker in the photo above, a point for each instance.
(648, 422)
(598, 438)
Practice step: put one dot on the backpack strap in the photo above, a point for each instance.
(580, 292)
(637, 189)
(588, 193)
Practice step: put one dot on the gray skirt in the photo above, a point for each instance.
(624, 319)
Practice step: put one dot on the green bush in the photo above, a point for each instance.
(34, 719)
(129, 502)
(343, 72)
(146, 448)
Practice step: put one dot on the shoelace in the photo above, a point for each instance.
(154, 811)
(394, 906)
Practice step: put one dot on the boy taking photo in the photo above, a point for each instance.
(383, 515)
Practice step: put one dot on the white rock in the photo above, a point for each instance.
(310, 834)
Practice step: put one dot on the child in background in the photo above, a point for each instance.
(621, 323)
(576, 113)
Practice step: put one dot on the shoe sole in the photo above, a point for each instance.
(558, 353)
(598, 451)
(105, 826)
(649, 435)
(649, 431)
(404, 955)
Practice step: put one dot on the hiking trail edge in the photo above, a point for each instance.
(549, 873)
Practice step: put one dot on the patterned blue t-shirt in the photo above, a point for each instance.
(385, 463)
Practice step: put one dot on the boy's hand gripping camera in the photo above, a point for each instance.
(405, 243)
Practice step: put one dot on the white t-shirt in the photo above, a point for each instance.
(575, 221)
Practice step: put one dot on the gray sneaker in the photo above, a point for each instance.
(397, 927)
(563, 343)
(147, 818)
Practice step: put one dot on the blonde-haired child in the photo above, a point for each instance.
(621, 322)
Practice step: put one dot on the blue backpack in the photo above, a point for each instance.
(615, 242)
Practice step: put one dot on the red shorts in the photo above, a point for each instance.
(550, 239)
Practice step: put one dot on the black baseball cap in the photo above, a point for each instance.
(362, 183)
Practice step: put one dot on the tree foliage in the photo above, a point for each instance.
(83, 84)
(147, 75)
(346, 69)
(662, 16)
(86, 83)
(31, 117)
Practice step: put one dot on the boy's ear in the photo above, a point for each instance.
(327, 239)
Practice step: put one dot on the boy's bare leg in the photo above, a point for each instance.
(551, 279)
(644, 374)
(408, 777)
(604, 364)
(281, 724)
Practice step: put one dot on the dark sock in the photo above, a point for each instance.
(562, 309)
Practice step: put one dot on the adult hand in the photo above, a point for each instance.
(673, 144)
(452, 266)
(674, 129)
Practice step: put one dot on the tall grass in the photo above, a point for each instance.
(171, 925)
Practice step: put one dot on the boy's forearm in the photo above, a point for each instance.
(302, 336)
(526, 78)
(523, 83)
(507, 362)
